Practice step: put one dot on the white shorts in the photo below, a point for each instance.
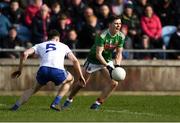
(90, 67)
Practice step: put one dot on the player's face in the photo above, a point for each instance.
(115, 26)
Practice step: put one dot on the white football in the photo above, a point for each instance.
(118, 74)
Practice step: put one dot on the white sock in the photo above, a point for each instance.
(98, 103)
(70, 100)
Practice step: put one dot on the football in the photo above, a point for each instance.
(118, 74)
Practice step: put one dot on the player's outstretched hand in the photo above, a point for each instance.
(16, 74)
(82, 82)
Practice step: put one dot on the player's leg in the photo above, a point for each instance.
(42, 78)
(78, 86)
(63, 89)
(26, 95)
(111, 85)
(75, 89)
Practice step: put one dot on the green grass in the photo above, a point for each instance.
(116, 108)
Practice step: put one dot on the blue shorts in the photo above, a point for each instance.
(46, 74)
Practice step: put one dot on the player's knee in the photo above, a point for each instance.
(114, 84)
(70, 79)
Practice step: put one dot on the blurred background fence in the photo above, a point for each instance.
(142, 75)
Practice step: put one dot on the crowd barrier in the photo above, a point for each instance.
(142, 75)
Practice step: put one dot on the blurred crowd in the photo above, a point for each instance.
(147, 24)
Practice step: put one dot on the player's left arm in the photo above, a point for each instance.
(118, 56)
(23, 58)
(77, 67)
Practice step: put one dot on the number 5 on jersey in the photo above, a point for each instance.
(50, 47)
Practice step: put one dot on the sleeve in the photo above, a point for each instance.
(35, 47)
(99, 41)
(67, 50)
(121, 40)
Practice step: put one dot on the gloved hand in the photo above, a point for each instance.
(110, 70)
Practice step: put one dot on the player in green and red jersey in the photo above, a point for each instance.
(100, 58)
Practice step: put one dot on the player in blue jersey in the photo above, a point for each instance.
(51, 54)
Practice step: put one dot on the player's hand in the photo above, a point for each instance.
(109, 69)
(16, 74)
(82, 82)
(117, 65)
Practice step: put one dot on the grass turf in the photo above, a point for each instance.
(116, 108)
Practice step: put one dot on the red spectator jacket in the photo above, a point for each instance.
(30, 12)
(151, 26)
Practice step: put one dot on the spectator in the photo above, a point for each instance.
(166, 12)
(40, 25)
(151, 26)
(130, 19)
(62, 26)
(96, 4)
(75, 10)
(55, 12)
(16, 15)
(140, 7)
(88, 33)
(177, 11)
(14, 12)
(117, 7)
(31, 11)
(25, 3)
(4, 4)
(103, 17)
(23, 33)
(72, 39)
(88, 11)
(5, 24)
(128, 43)
(145, 44)
(11, 41)
(175, 43)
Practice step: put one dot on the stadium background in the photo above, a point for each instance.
(25, 23)
(151, 89)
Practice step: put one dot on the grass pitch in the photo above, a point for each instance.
(116, 108)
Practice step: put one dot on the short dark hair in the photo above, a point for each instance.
(53, 33)
(112, 18)
(12, 1)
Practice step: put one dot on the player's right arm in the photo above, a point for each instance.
(101, 59)
(77, 67)
(23, 58)
(99, 56)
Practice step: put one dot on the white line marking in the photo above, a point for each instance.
(134, 113)
(2, 104)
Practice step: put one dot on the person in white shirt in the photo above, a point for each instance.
(52, 54)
